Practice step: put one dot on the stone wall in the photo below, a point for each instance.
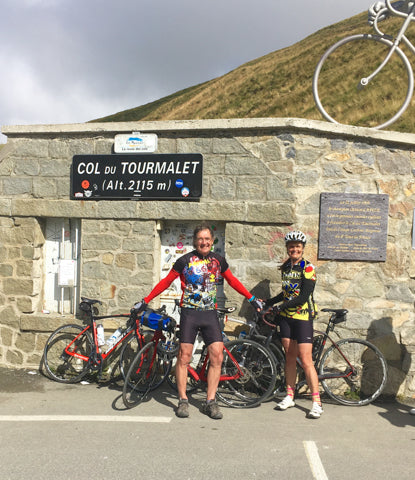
(118, 261)
(20, 287)
(261, 177)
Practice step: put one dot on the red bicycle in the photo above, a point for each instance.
(73, 350)
(248, 371)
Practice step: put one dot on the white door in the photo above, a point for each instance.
(176, 240)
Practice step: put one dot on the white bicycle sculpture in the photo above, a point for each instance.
(364, 79)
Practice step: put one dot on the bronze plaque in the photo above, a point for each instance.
(353, 226)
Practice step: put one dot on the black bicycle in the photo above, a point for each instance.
(352, 371)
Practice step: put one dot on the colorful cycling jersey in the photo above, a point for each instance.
(298, 282)
(199, 278)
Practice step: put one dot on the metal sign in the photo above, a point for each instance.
(67, 273)
(137, 176)
(136, 142)
(353, 226)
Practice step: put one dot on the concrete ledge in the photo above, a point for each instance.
(49, 323)
(45, 323)
(237, 124)
(242, 211)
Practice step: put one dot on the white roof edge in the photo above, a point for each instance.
(206, 125)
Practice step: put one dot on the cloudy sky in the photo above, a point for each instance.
(70, 61)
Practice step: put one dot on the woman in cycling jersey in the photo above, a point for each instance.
(295, 316)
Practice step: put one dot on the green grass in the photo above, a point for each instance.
(279, 84)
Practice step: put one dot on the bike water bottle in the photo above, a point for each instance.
(100, 335)
(114, 338)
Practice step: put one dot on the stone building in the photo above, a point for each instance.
(261, 177)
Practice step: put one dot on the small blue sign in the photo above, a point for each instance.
(179, 183)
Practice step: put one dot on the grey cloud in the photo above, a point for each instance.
(82, 59)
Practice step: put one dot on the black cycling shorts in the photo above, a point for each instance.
(206, 321)
(300, 330)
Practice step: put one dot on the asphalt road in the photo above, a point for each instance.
(50, 430)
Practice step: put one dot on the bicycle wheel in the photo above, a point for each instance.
(279, 358)
(357, 372)
(67, 352)
(258, 374)
(146, 373)
(129, 351)
(345, 92)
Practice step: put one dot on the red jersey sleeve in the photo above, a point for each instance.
(236, 284)
(162, 285)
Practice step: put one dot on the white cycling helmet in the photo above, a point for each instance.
(295, 236)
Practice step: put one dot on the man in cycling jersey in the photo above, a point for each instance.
(295, 319)
(200, 271)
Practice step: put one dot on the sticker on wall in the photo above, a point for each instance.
(185, 192)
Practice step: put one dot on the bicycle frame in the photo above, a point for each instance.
(98, 357)
(326, 336)
(381, 15)
(409, 17)
(93, 325)
(158, 335)
(200, 374)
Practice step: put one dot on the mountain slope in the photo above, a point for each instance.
(275, 85)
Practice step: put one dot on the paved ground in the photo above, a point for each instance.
(51, 430)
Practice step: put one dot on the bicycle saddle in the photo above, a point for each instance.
(86, 304)
(90, 301)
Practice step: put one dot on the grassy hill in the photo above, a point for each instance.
(276, 85)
